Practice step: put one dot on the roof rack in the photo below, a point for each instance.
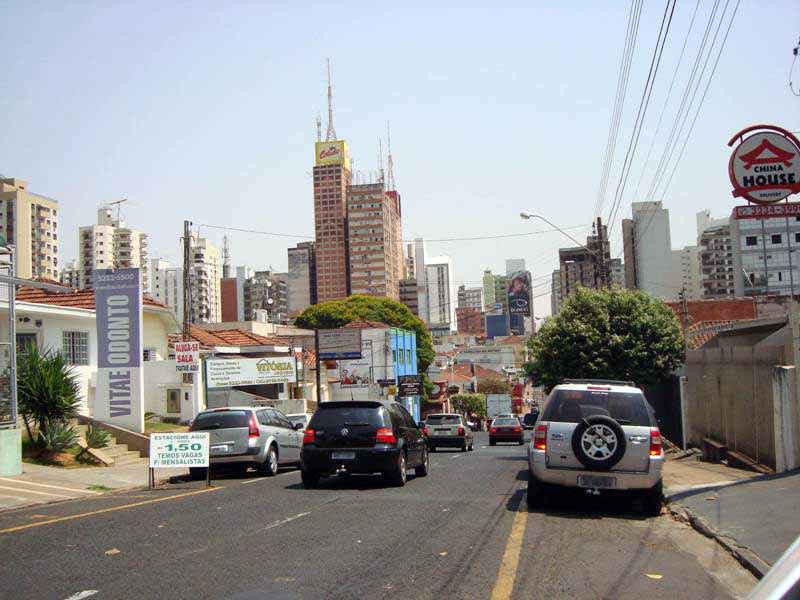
(602, 381)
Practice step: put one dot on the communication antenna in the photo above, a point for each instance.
(389, 161)
(319, 128)
(118, 204)
(331, 134)
(380, 161)
(226, 257)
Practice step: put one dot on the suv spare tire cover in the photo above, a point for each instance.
(599, 463)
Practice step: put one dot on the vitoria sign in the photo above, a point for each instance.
(765, 167)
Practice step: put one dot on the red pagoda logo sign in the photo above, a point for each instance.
(765, 166)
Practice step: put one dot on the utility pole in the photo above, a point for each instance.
(187, 280)
(601, 255)
(684, 319)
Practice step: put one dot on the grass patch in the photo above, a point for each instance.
(98, 488)
(33, 454)
(158, 427)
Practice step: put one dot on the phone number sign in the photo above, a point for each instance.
(168, 450)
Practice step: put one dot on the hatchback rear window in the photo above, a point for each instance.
(506, 422)
(443, 420)
(571, 406)
(350, 416)
(224, 419)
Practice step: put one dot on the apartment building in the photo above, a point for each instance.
(70, 275)
(686, 273)
(408, 294)
(765, 256)
(717, 275)
(29, 222)
(111, 244)
(470, 298)
(648, 249)
(376, 262)
(441, 296)
(302, 278)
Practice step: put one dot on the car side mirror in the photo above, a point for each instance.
(299, 426)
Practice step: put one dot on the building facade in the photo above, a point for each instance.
(555, 292)
(420, 258)
(110, 244)
(470, 298)
(332, 176)
(166, 283)
(376, 262)
(470, 321)
(441, 293)
(408, 294)
(302, 278)
(70, 275)
(29, 222)
(648, 249)
(488, 288)
(686, 273)
(717, 275)
(765, 256)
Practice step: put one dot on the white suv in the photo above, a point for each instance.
(598, 435)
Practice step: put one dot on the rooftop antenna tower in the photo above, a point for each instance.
(319, 128)
(331, 134)
(380, 161)
(118, 204)
(226, 257)
(389, 161)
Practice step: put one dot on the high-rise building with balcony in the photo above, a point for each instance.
(110, 244)
(29, 222)
(717, 275)
(70, 275)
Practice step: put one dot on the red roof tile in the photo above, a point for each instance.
(230, 337)
(74, 299)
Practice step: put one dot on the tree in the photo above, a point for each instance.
(469, 404)
(338, 313)
(607, 334)
(47, 389)
(494, 386)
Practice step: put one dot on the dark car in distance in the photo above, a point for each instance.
(506, 429)
(363, 437)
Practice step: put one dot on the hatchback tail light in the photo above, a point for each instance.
(493, 430)
(252, 427)
(655, 441)
(460, 431)
(385, 435)
(309, 436)
(517, 429)
(540, 438)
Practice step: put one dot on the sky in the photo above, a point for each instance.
(206, 111)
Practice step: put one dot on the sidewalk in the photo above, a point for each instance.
(756, 517)
(40, 484)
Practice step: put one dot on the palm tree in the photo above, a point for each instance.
(47, 388)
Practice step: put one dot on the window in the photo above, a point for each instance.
(394, 356)
(174, 401)
(797, 237)
(408, 357)
(751, 240)
(776, 238)
(148, 354)
(25, 341)
(76, 347)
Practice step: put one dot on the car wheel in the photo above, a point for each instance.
(270, 465)
(598, 442)
(653, 499)
(536, 492)
(422, 469)
(464, 446)
(310, 480)
(197, 473)
(397, 476)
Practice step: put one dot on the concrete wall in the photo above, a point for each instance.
(729, 397)
(786, 413)
(161, 376)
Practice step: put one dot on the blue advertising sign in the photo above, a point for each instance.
(118, 303)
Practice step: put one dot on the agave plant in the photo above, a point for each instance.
(97, 437)
(47, 389)
(58, 437)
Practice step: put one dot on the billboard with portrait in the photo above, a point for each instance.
(519, 293)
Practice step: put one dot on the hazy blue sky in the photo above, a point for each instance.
(206, 111)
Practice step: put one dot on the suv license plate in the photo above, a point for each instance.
(343, 455)
(596, 481)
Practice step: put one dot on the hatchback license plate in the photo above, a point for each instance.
(219, 448)
(596, 481)
(343, 455)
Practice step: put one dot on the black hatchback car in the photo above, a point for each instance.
(363, 437)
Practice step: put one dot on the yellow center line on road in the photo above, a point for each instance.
(504, 584)
(106, 510)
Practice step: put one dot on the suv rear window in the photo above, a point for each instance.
(570, 406)
(224, 419)
(339, 416)
(443, 420)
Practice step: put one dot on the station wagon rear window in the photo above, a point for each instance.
(225, 419)
(571, 406)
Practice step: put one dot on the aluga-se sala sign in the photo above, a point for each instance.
(765, 167)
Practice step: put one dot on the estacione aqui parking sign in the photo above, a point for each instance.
(765, 167)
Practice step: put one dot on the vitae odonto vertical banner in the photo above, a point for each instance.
(118, 299)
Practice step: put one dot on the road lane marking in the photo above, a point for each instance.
(82, 595)
(55, 487)
(504, 584)
(286, 520)
(24, 491)
(107, 510)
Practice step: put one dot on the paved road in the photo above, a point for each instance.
(462, 532)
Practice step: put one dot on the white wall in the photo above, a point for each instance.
(161, 376)
(653, 248)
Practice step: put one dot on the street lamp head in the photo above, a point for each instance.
(525, 214)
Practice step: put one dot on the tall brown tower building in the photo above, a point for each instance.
(375, 247)
(331, 179)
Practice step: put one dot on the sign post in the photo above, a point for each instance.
(174, 450)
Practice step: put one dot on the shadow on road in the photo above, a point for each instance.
(352, 482)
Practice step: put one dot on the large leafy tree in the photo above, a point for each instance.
(494, 386)
(338, 313)
(469, 404)
(607, 334)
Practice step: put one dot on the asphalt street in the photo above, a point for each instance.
(462, 532)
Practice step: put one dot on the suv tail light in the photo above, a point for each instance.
(461, 431)
(384, 435)
(655, 441)
(309, 436)
(252, 427)
(540, 438)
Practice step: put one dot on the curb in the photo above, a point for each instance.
(746, 557)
